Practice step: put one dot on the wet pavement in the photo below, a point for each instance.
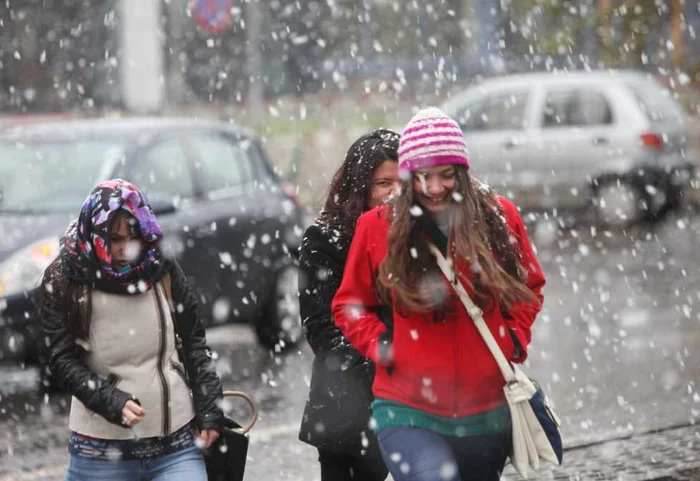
(667, 455)
(617, 348)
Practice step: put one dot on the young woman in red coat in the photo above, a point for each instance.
(439, 409)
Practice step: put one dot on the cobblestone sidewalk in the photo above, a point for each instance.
(668, 455)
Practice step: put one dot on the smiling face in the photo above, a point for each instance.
(125, 241)
(434, 186)
(385, 181)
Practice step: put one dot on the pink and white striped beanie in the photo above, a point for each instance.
(431, 138)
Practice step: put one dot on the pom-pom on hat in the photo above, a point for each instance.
(431, 138)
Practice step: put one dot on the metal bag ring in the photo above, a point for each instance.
(252, 405)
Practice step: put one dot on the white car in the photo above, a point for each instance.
(612, 143)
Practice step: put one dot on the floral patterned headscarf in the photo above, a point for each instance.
(86, 251)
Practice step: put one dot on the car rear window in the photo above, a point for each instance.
(656, 102)
(576, 107)
(504, 110)
(222, 163)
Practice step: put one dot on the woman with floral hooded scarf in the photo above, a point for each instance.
(114, 311)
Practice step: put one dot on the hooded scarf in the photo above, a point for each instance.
(86, 248)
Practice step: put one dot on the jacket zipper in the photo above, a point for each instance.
(161, 361)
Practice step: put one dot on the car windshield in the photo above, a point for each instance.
(53, 176)
(656, 101)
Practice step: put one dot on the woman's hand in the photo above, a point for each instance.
(207, 437)
(132, 413)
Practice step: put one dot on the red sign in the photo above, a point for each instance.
(212, 15)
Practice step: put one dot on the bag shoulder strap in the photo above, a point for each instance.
(166, 284)
(475, 313)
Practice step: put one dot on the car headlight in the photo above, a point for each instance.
(22, 270)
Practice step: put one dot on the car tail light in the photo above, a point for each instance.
(652, 140)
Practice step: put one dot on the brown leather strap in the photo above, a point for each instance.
(166, 281)
(253, 407)
(167, 289)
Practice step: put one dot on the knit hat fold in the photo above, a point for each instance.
(432, 138)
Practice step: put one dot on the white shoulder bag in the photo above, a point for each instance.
(535, 426)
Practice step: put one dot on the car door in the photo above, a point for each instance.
(234, 208)
(578, 141)
(497, 131)
(164, 172)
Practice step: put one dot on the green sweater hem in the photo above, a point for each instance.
(388, 414)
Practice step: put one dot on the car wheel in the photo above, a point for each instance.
(620, 203)
(280, 325)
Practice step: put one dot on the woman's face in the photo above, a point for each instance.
(385, 181)
(434, 187)
(125, 241)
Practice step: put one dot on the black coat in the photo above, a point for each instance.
(99, 395)
(338, 411)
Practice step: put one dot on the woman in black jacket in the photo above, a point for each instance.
(114, 311)
(337, 415)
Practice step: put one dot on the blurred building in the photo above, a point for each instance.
(58, 55)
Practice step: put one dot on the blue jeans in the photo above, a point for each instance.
(184, 465)
(414, 454)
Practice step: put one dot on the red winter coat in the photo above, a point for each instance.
(444, 367)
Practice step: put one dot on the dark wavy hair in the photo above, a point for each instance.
(347, 195)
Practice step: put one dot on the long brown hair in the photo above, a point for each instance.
(57, 291)
(479, 234)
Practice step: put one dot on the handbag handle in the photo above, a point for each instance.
(166, 286)
(476, 314)
(253, 407)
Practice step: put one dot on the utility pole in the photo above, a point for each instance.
(484, 22)
(142, 55)
(176, 85)
(604, 18)
(677, 28)
(366, 37)
(256, 92)
(468, 13)
(589, 33)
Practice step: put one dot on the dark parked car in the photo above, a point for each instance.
(232, 223)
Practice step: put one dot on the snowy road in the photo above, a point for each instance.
(617, 347)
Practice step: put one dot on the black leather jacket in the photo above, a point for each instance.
(341, 387)
(322, 261)
(97, 394)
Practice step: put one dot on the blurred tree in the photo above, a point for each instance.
(677, 29)
(58, 54)
(213, 64)
(548, 28)
(295, 45)
(626, 33)
(633, 39)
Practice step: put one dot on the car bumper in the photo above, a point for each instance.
(20, 329)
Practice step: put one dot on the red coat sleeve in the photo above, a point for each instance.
(357, 294)
(522, 315)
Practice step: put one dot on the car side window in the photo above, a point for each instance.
(498, 112)
(222, 163)
(575, 107)
(162, 171)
